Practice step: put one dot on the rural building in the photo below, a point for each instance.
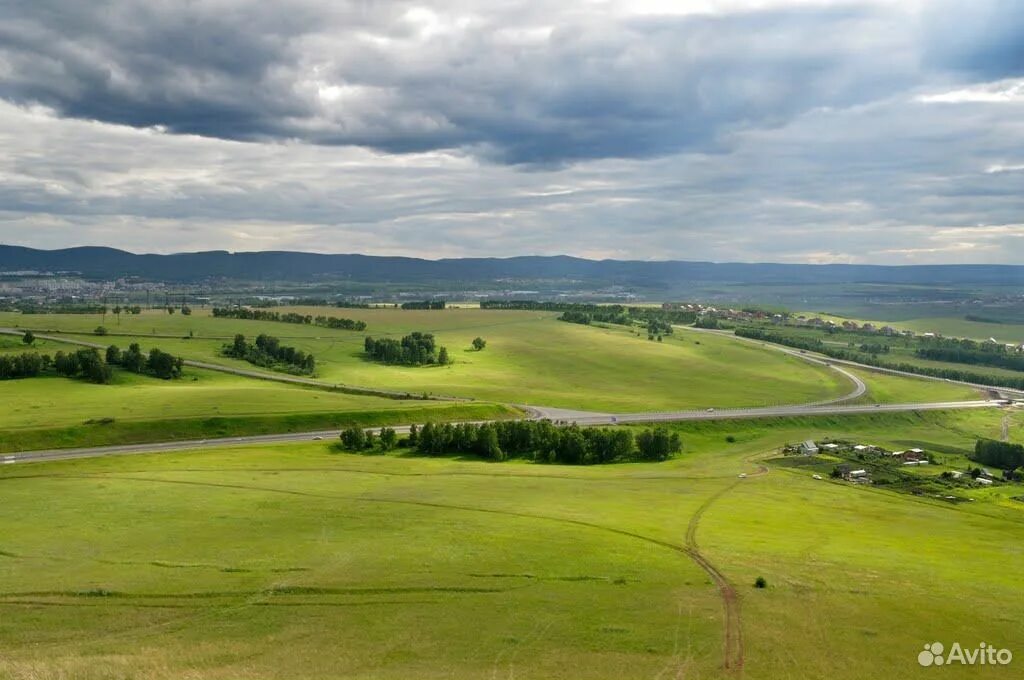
(808, 448)
(983, 481)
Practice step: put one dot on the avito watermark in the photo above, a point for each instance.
(934, 654)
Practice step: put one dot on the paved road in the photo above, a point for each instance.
(561, 415)
(821, 358)
(273, 377)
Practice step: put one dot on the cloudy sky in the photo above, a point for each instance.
(730, 130)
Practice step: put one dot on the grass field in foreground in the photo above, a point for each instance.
(297, 562)
(530, 358)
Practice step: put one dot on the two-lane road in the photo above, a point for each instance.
(559, 415)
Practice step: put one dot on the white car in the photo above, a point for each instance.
(317, 439)
(743, 475)
(817, 476)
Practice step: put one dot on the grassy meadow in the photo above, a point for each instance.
(296, 561)
(530, 358)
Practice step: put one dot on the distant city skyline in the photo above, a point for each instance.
(869, 132)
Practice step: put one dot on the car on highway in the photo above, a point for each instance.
(317, 438)
(710, 409)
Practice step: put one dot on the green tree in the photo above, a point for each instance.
(388, 438)
(479, 343)
(100, 330)
(353, 438)
(442, 356)
(113, 355)
(487, 443)
(28, 338)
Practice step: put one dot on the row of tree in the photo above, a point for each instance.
(543, 441)
(158, 363)
(980, 354)
(1003, 455)
(617, 314)
(88, 363)
(424, 304)
(289, 317)
(26, 365)
(268, 352)
(415, 349)
(84, 363)
(358, 439)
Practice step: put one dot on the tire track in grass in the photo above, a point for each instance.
(729, 596)
(732, 646)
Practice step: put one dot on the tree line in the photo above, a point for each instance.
(539, 441)
(289, 317)
(415, 349)
(89, 364)
(268, 352)
(988, 354)
(1003, 455)
(816, 345)
(424, 304)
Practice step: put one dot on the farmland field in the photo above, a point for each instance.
(300, 562)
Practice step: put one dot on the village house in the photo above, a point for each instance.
(808, 448)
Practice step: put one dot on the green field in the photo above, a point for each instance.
(50, 411)
(299, 562)
(530, 358)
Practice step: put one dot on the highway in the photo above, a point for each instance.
(1009, 392)
(565, 416)
(559, 415)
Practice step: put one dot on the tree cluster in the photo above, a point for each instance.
(268, 352)
(545, 442)
(1003, 455)
(289, 317)
(157, 363)
(356, 439)
(27, 365)
(85, 363)
(424, 304)
(415, 349)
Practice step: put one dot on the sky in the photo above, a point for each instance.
(868, 131)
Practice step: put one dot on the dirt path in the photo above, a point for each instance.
(1004, 435)
(732, 646)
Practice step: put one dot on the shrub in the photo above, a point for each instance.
(760, 582)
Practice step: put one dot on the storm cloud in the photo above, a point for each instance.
(861, 131)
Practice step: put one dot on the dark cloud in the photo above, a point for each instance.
(401, 79)
(982, 37)
(868, 132)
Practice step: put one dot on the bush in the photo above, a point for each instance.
(760, 582)
(731, 439)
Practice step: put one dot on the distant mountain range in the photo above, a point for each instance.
(110, 263)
